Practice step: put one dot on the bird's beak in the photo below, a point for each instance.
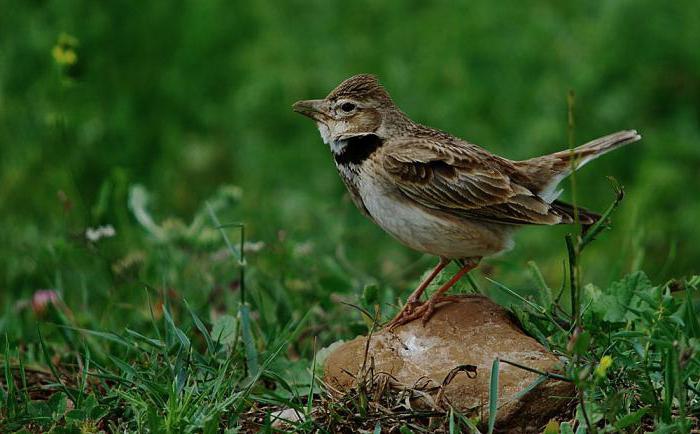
(313, 108)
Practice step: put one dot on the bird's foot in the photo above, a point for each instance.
(416, 309)
(405, 315)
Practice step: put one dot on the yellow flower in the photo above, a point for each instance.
(64, 56)
(602, 369)
(64, 51)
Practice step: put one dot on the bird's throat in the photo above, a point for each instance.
(357, 149)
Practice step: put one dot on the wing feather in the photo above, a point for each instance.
(464, 180)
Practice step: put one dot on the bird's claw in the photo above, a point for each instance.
(406, 315)
(423, 310)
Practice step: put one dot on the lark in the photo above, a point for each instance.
(436, 193)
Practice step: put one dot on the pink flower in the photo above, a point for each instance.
(42, 298)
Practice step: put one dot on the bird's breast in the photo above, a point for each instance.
(427, 231)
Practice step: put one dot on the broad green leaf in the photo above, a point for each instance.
(58, 404)
(225, 329)
(565, 428)
(631, 419)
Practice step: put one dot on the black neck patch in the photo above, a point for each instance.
(358, 149)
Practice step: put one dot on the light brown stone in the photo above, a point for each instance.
(473, 331)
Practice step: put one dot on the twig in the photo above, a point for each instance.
(549, 375)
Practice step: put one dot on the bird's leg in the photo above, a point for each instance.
(437, 297)
(426, 310)
(414, 299)
(416, 294)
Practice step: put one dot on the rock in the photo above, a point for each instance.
(286, 419)
(473, 331)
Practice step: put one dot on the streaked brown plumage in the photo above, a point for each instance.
(437, 193)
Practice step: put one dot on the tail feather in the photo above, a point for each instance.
(549, 170)
(569, 213)
(595, 148)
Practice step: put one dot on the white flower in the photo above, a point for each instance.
(95, 234)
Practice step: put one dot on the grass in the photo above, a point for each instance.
(129, 301)
(630, 348)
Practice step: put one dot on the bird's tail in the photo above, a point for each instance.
(553, 168)
(577, 157)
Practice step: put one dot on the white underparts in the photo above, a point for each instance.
(426, 231)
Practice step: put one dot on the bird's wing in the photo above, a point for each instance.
(464, 180)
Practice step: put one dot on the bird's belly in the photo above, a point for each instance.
(430, 232)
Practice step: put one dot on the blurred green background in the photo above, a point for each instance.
(183, 97)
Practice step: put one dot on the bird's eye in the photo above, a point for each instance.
(347, 107)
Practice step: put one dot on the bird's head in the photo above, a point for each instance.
(358, 106)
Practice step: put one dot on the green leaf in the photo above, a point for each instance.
(90, 403)
(370, 294)
(552, 427)
(582, 343)
(612, 304)
(156, 343)
(58, 404)
(98, 412)
(225, 329)
(631, 419)
(77, 415)
(181, 337)
(545, 295)
(565, 428)
(39, 410)
(211, 426)
(202, 329)
(692, 324)
(670, 376)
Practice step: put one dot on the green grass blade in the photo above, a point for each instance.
(84, 376)
(546, 294)
(530, 387)
(669, 384)
(47, 359)
(155, 343)
(181, 337)
(493, 395)
(310, 398)
(211, 348)
(536, 307)
(251, 353)
(23, 376)
(690, 317)
(9, 381)
(473, 429)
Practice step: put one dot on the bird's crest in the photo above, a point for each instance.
(360, 86)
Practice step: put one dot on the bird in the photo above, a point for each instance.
(439, 194)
